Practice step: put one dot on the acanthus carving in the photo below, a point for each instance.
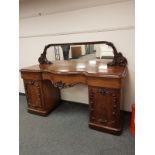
(61, 84)
(118, 60)
(32, 86)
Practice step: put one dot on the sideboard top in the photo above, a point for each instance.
(89, 68)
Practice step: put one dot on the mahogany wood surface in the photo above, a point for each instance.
(43, 83)
(71, 67)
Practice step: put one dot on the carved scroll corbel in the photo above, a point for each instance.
(43, 59)
(118, 60)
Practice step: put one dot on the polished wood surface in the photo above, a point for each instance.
(80, 67)
(43, 83)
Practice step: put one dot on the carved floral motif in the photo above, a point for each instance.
(34, 86)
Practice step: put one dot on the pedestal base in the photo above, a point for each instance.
(106, 129)
(38, 112)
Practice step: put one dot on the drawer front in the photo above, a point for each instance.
(31, 75)
(105, 82)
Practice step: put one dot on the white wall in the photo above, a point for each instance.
(113, 22)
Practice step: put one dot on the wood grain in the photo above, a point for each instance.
(43, 83)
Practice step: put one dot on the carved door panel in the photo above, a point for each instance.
(33, 93)
(104, 106)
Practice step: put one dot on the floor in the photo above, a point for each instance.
(65, 132)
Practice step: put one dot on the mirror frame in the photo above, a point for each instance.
(118, 59)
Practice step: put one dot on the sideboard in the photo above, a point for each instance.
(43, 82)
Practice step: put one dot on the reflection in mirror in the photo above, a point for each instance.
(102, 51)
(84, 52)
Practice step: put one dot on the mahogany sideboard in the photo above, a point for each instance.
(43, 83)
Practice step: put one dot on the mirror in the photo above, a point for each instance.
(81, 51)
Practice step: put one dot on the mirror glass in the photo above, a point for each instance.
(77, 52)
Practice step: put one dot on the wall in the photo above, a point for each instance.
(112, 22)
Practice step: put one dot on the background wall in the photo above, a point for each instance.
(44, 22)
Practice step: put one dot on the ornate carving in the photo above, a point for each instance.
(91, 99)
(61, 85)
(118, 60)
(104, 91)
(115, 108)
(43, 59)
(32, 86)
(115, 99)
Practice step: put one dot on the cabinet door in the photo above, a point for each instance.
(104, 106)
(33, 91)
